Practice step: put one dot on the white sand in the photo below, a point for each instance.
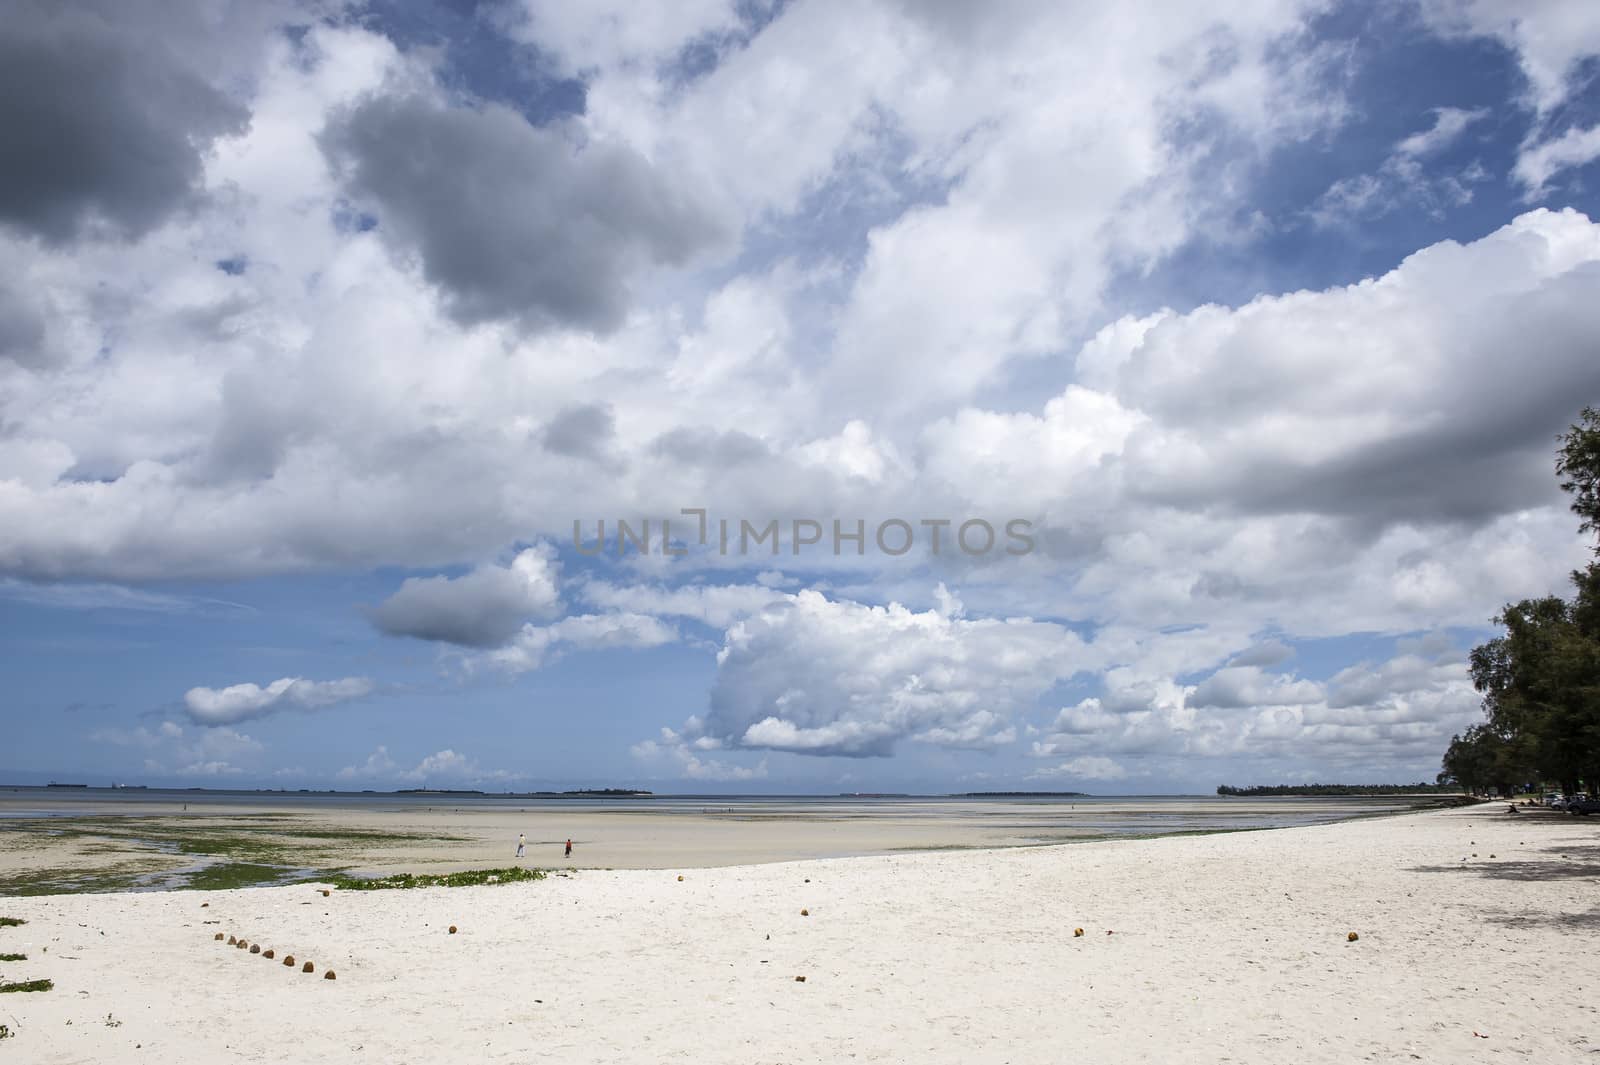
(1225, 948)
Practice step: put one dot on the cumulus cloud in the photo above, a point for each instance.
(693, 765)
(611, 35)
(137, 737)
(1237, 686)
(239, 702)
(483, 608)
(172, 751)
(536, 645)
(1009, 265)
(457, 185)
(814, 675)
(23, 326)
(717, 605)
(204, 769)
(1390, 716)
(106, 114)
(296, 444)
(442, 767)
(1095, 768)
(469, 329)
(583, 431)
(1241, 412)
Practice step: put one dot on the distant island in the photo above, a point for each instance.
(1021, 795)
(576, 793)
(1340, 789)
(615, 793)
(606, 793)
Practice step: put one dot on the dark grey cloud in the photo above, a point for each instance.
(514, 221)
(711, 448)
(22, 327)
(584, 431)
(105, 119)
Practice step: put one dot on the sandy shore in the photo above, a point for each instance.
(1220, 948)
(136, 839)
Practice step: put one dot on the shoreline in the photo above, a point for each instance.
(1196, 948)
(139, 845)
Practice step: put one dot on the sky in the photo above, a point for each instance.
(1020, 396)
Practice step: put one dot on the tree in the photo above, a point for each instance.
(1539, 684)
(1541, 680)
(1578, 463)
(1481, 761)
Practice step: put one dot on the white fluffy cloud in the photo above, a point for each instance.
(171, 751)
(535, 645)
(239, 702)
(1090, 768)
(1387, 717)
(440, 768)
(853, 262)
(718, 605)
(483, 608)
(297, 443)
(820, 676)
(693, 765)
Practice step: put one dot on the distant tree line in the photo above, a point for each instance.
(1337, 789)
(1541, 680)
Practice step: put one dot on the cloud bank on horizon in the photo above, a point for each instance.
(1263, 318)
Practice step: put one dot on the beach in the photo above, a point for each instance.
(51, 844)
(1476, 934)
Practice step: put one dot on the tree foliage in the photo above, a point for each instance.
(1334, 789)
(1541, 680)
(1578, 464)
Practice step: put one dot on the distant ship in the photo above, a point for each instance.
(53, 784)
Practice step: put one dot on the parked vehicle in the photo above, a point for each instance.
(1583, 805)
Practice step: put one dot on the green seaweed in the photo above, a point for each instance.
(13, 957)
(234, 875)
(236, 851)
(27, 985)
(123, 877)
(11, 922)
(468, 878)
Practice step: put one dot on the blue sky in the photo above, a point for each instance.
(1265, 322)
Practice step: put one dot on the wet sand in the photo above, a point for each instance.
(152, 843)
